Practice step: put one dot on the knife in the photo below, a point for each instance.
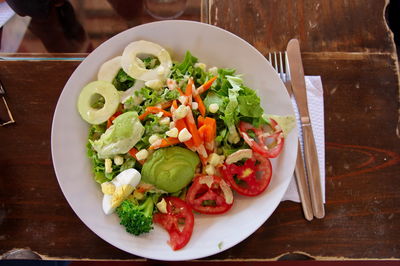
(310, 151)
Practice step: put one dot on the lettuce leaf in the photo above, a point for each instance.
(249, 105)
(98, 167)
(188, 61)
(123, 81)
(125, 132)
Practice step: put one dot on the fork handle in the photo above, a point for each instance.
(301, 179)
(314, 180)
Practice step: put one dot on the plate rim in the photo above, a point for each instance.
(54, 159)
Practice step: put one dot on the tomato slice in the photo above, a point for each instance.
(269, 140)
(178, 221)
(209, 194)
(251, 178)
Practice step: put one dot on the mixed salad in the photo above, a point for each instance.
(168, 139)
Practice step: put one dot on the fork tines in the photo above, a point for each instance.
(281, 65)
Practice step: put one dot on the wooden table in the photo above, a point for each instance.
(347, 43)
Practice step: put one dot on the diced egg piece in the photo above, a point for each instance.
(124, 184)
(195, 105)
(183, 99)
(162, 206)
(142, 154)
(214, 159)
(184, 135)
(153, 138)
(108, 166)
(109, 69)
(165, 120)
(118, 160)
(136, 70)
(173, 132)
(210, 169)
(181, 112)
(213, 108)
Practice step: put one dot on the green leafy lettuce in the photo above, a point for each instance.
(123, 81)
(125, 132)
(98, 167)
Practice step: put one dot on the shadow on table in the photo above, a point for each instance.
(33, 263)
(393, 21)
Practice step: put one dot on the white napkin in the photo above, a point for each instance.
(5, 13)
(315, 98)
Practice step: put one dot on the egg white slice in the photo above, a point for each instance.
(131, 91)
(109, 69)
(127, 177)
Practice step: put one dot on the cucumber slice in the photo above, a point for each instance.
(90, 94)
(133, 68)
(109, 69)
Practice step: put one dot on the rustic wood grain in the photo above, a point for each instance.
(321, 25)
(362, 209)
(345, 42)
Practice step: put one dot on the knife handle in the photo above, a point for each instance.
(304, 192)
(314, 181)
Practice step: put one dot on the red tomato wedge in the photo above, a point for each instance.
(178, 221)
(269, 140)
(209, 195)
(251, 178)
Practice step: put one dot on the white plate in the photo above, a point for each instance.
(212, 234)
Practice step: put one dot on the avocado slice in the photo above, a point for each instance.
(90, 94)
(170, 169)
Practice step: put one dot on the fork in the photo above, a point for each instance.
(282, 68)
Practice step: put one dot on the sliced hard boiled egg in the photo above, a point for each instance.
(131, 66)
(125, 182)
(109, 69)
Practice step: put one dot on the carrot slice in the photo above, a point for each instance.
(180, 91)
(212, 123)
(189, 91)
(143, 116)
(181, 124)
(165, 105)
(189, 87)
(191, 125)
(200, 121)
(169, 141)
(202, 107)
(210, 133)
(154, 110)
(202, 131)
(206, 85)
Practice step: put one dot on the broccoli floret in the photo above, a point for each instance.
(137, 218)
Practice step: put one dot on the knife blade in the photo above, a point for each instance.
(310, 151)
